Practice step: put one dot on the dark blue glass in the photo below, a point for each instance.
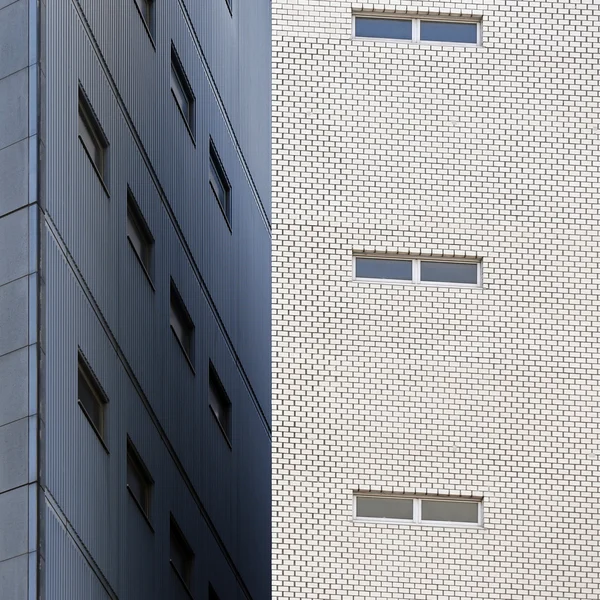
(383, 268)
(395, 29)
(440, 31)
(447, 272)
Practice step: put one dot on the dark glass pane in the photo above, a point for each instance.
(439, 31)
(395, 29)
(383, 268)
(89, 402)
(447, 272)
(459, 512)
(136, 484)
(384, 508)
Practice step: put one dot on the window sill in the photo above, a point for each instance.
(100, 178)
(150, 36)
(183, 583)
(185, 121)
(212, 410)
(141, 508)
(146, 273)
(92, 424)
(187, 358)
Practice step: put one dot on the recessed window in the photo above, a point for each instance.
(219, 403)
(451, 272)
(139, 481)
(420, 510)
(392, 29)
(212, 595)
(139, 235)
(181, 324)
(92, 137)
(181, 555)
(219, 184)
(146, 10)
(444, 31)
(91, 398)
(182, 91)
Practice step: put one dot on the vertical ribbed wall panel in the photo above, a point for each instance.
(100, 300)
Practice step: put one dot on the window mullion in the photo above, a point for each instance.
(417, 270)
(417, 511)
(416, 30)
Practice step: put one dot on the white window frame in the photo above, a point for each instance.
(416, 29)
(417, 520)
(416, 270)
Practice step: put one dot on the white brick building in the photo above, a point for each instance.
(486, 151)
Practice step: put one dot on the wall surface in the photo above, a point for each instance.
(19, 284)
(101, 303)
(490, 152)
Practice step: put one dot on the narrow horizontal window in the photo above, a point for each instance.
(382, 507)
(392, 29)
(219, 184)
(429, 31)
(180, 555)
(441, 31)
(90, 397)
(433, 510)
(139, 481)
(181, 324)
(219, 402)
(139, 235)
(182, 91)
(382, 268)
(448, 511)
(451, 272)
(91, 135)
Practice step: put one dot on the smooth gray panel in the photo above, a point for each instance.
(14, 386)
(14, 454)
(14, 36)
(13, 523)
(13, 578)
(13, 315)
(14, 241)
(13, 108)
(14, 176)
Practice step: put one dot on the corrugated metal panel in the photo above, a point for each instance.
(98, 298)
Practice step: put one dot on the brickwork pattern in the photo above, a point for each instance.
(489, 152)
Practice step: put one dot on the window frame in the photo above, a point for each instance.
(187, 324)
(149, 24)
(146, 478)
(215, 165)
(189, 556)
(179, 75)
(88, 119)
(99, 396)
(417, 516)
(216, 388)
(416, 270)
(416, 28)
(140, 225)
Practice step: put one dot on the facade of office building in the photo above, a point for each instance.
(135, 299)
(436, 300)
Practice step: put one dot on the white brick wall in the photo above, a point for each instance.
(490, 152)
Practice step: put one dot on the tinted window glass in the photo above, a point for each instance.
(383, 28)
(447, 272)
(461, 512)
(384, 508)
(381, 268)
(438, 31)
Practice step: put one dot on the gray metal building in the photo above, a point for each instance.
(135, 299)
